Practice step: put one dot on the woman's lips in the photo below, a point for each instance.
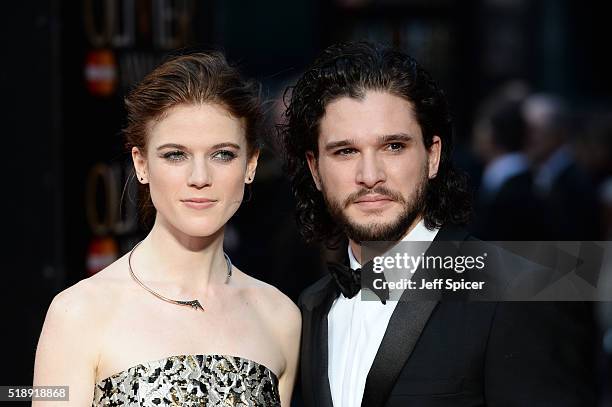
(199, 203)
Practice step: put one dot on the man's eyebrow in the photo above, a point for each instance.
(340, 143)
(382, 139)
(395, 137)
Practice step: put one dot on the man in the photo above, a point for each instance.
(368, 142)
(507, 181)
(563, 186)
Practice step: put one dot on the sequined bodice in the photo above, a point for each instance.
(191, 380)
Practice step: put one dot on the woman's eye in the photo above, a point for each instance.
(224, 155)
(395, 146)
(174, 155)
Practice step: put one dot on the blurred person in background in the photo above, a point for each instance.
(594, 147)
(594, 152)
(173, 321)
(605, 197)
(506, 207)
(566, 190)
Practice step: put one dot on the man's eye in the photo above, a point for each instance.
(395, 146)
(345, 151)
(224, 155)
(174, 155)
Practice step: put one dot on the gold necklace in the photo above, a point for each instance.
(195, 304)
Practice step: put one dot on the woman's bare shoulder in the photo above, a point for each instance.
(272, 304)
(91, 296)
(69, 345)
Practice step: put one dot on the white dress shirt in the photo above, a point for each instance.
(355, 330)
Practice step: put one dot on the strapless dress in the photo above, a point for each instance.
(191, 380)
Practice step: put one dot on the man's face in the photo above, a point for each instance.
(372, 165)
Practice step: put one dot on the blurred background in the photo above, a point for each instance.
(529, 83)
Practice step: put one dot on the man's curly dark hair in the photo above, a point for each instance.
(349, 70)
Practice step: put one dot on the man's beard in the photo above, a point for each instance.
(393, 231)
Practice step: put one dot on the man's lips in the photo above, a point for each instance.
(372, 201)
(372, 198)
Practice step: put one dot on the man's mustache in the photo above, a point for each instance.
(380, 190)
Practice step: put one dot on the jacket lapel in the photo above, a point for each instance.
(315, 382)
(404, 329)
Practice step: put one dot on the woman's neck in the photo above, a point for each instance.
(181, 262)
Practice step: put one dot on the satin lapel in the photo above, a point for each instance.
(452, 233)
(404, 329)
(315, 346)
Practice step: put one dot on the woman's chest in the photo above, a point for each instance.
(145, 335)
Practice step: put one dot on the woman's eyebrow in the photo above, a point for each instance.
(226, 144)
(171, 145)
(182, 147)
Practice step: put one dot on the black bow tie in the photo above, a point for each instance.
(349, 281)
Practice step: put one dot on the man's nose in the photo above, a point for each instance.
(370, 170)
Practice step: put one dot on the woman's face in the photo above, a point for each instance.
(196, 165)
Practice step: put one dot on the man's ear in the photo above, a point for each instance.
(313, 166)
(140, 165)
(251, 167)
(434, 152)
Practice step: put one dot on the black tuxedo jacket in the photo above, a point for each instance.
(438, 353)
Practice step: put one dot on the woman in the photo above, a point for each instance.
(173, 322)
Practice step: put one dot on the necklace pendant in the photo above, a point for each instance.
(195, 304)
